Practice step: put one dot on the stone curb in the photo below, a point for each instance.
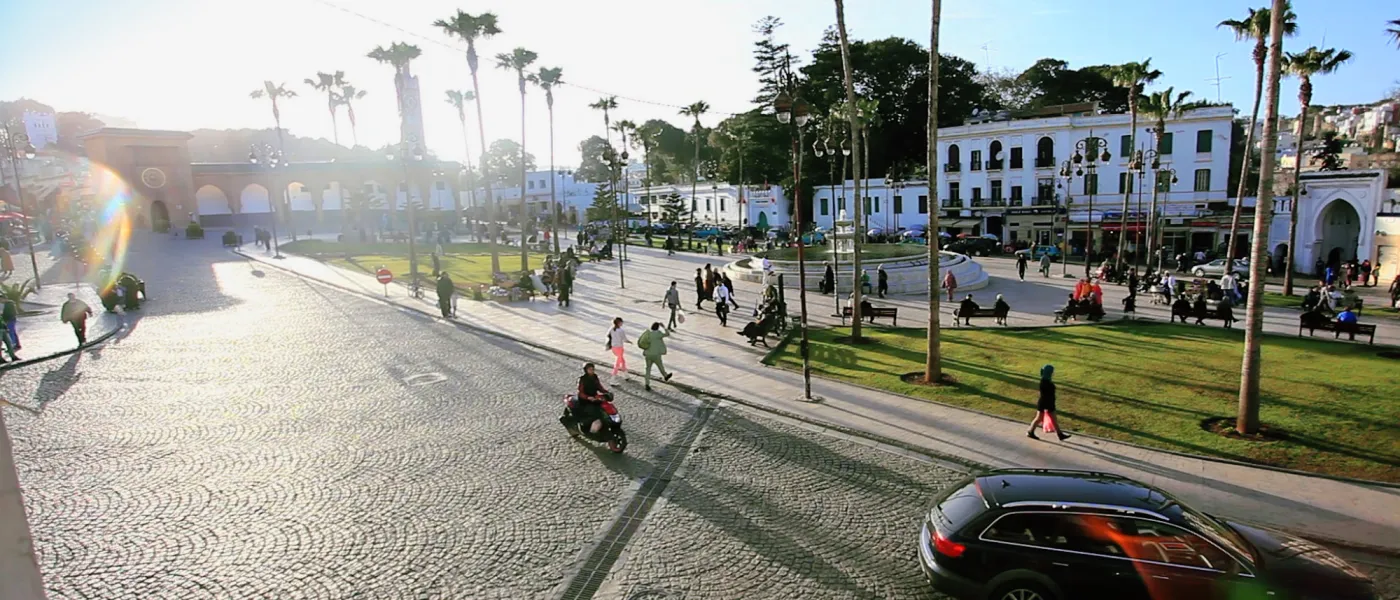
(1366, 482)
(426, 310)
(90, 343)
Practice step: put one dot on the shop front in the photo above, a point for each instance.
(1041, 225)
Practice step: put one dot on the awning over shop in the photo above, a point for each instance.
(959, 223)
(1113, 227)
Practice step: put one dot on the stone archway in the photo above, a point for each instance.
(1338, 232)
(213, 207)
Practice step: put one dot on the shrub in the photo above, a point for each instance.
(17, 291)
(194, 231)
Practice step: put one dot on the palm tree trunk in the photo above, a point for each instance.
(933, 357)
(694, 178)
(490, 202)
(855, 167)
(1247, 419)
(354, 133)
(466, 160)
(1305, 100)
(335, 124)
(1152, 250)
(1248, 145)
(524, 235)
(553, 183)
(1128, 188)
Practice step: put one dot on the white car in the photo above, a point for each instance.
(1216, 268)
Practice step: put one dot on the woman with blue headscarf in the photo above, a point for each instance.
(1045, 407)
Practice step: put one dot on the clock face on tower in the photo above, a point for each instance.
(153, 178)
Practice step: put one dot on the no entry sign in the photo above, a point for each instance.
(385, 277)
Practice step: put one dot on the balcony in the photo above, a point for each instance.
(995, 165)
(1044, 162)
(1044, 201)
(1016, 163)
(951, 203)
(952, 168)
(976, 165)
(988, 202)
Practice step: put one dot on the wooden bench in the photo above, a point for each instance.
(980, 312)
(875, 312)
(1339, 329)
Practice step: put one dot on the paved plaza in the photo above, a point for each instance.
(257, 433)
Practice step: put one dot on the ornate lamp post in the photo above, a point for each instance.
(1088, 153)
(413, 153)
(270, 159)
(820, 151)
(1144, 161)
(791, 108)
(17, 146)
(615, 164)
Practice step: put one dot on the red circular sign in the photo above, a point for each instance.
(384, 276)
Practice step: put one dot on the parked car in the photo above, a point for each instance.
(1216, 268)
(1046, 249)
(975, 246)
(1061, 535)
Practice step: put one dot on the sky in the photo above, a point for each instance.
(187, 64)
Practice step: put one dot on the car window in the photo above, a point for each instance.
(1156, 541)
(961, 507)
(1053, 531)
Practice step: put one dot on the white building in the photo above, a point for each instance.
(572, 195)
(42, 128)
(1342, 215)
(1002, 177)
(718, 203)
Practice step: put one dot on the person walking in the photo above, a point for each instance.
(617, 342)
(1022, 261)
(7, 262)
(1045, 265)
(699, 289)
(673, 302)
(75, 312)
(566, 283)
(828, 279)
(1045, 407)
(950, 283)
(8, 317)
(728, 283)
(653, 345)
(445, 290)
(722, 304)
(1366, 272)
(882, 281)
(437, 264)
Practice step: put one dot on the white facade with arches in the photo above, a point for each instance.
(1342, 215)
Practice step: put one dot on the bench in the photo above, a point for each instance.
(1338, 328)
(874, 312)
(980, 312)
(1062, 317)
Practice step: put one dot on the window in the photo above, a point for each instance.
(867, 205)
(1125, 183)
(1016, 194)
(954, 158)
(1091, 183)
(1155, 541)
(1069, 532)
(923, 205)
(994, 156)
(707, 204)
(1164, 143)
(721, 204)
(825, 202)
(1016, 160)
(841, 203)
(694, 204)
(954, 190)
(1044, 188)
(976, 160)
(1203, 140)
(996, 190)
(1045, 153)
(898, 205)
(977, 194)
(1203, 180)
(1125, 147)
(441, 185)
(877, 205)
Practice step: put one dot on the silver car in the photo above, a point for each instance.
(1216, 268)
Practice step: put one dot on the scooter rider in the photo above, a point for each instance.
(591, 394)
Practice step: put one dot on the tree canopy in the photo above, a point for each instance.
(501, 163)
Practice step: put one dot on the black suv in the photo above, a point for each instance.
(1032, 534)
(974, 246)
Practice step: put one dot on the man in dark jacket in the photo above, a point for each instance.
(445, 289)
(699, 289)
(75, 312)
(966, 308)
(882, 281)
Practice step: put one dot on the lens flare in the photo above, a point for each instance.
(108, 229)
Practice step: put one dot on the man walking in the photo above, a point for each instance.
(1022, 261)
(722, 304)
(653, 345)
(445, 289)
(882, 281)
(8, 316)
(1044, 265)
(699, 289)
(75, 312)
(673, 302)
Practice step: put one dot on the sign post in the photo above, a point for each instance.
(385, 277)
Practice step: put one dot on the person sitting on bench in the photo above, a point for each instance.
(1346, 323)
(867, 309)
(966, 308)
(1000, 310)
(1200, 310)
(1311, 300)
(756, 330)
(1181, 309)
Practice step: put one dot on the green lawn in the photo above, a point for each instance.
(325, 248)
(1152, 384)
(465, 269)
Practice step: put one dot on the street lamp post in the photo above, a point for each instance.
(615, 163)
(1088, 153)
(793, 109)
(1143, 161)
(821, 151)
(270, 159)
(413, 153)
(17, 146)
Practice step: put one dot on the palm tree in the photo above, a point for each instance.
(272, 92)
(459, 99)
(1304, 65)
(547, 78)
(518, 60)
(1394, 31)
(854, 120)
(646, 136)
(330, 83)
(933, 357)
(470, 28)
(1255, 27)
(625, 128)
(347, 96)
(867, 110)
(694, 110)
(1134, 76)
(1159, 107)
(606, 104)
(400, 56)
(1247, 418)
